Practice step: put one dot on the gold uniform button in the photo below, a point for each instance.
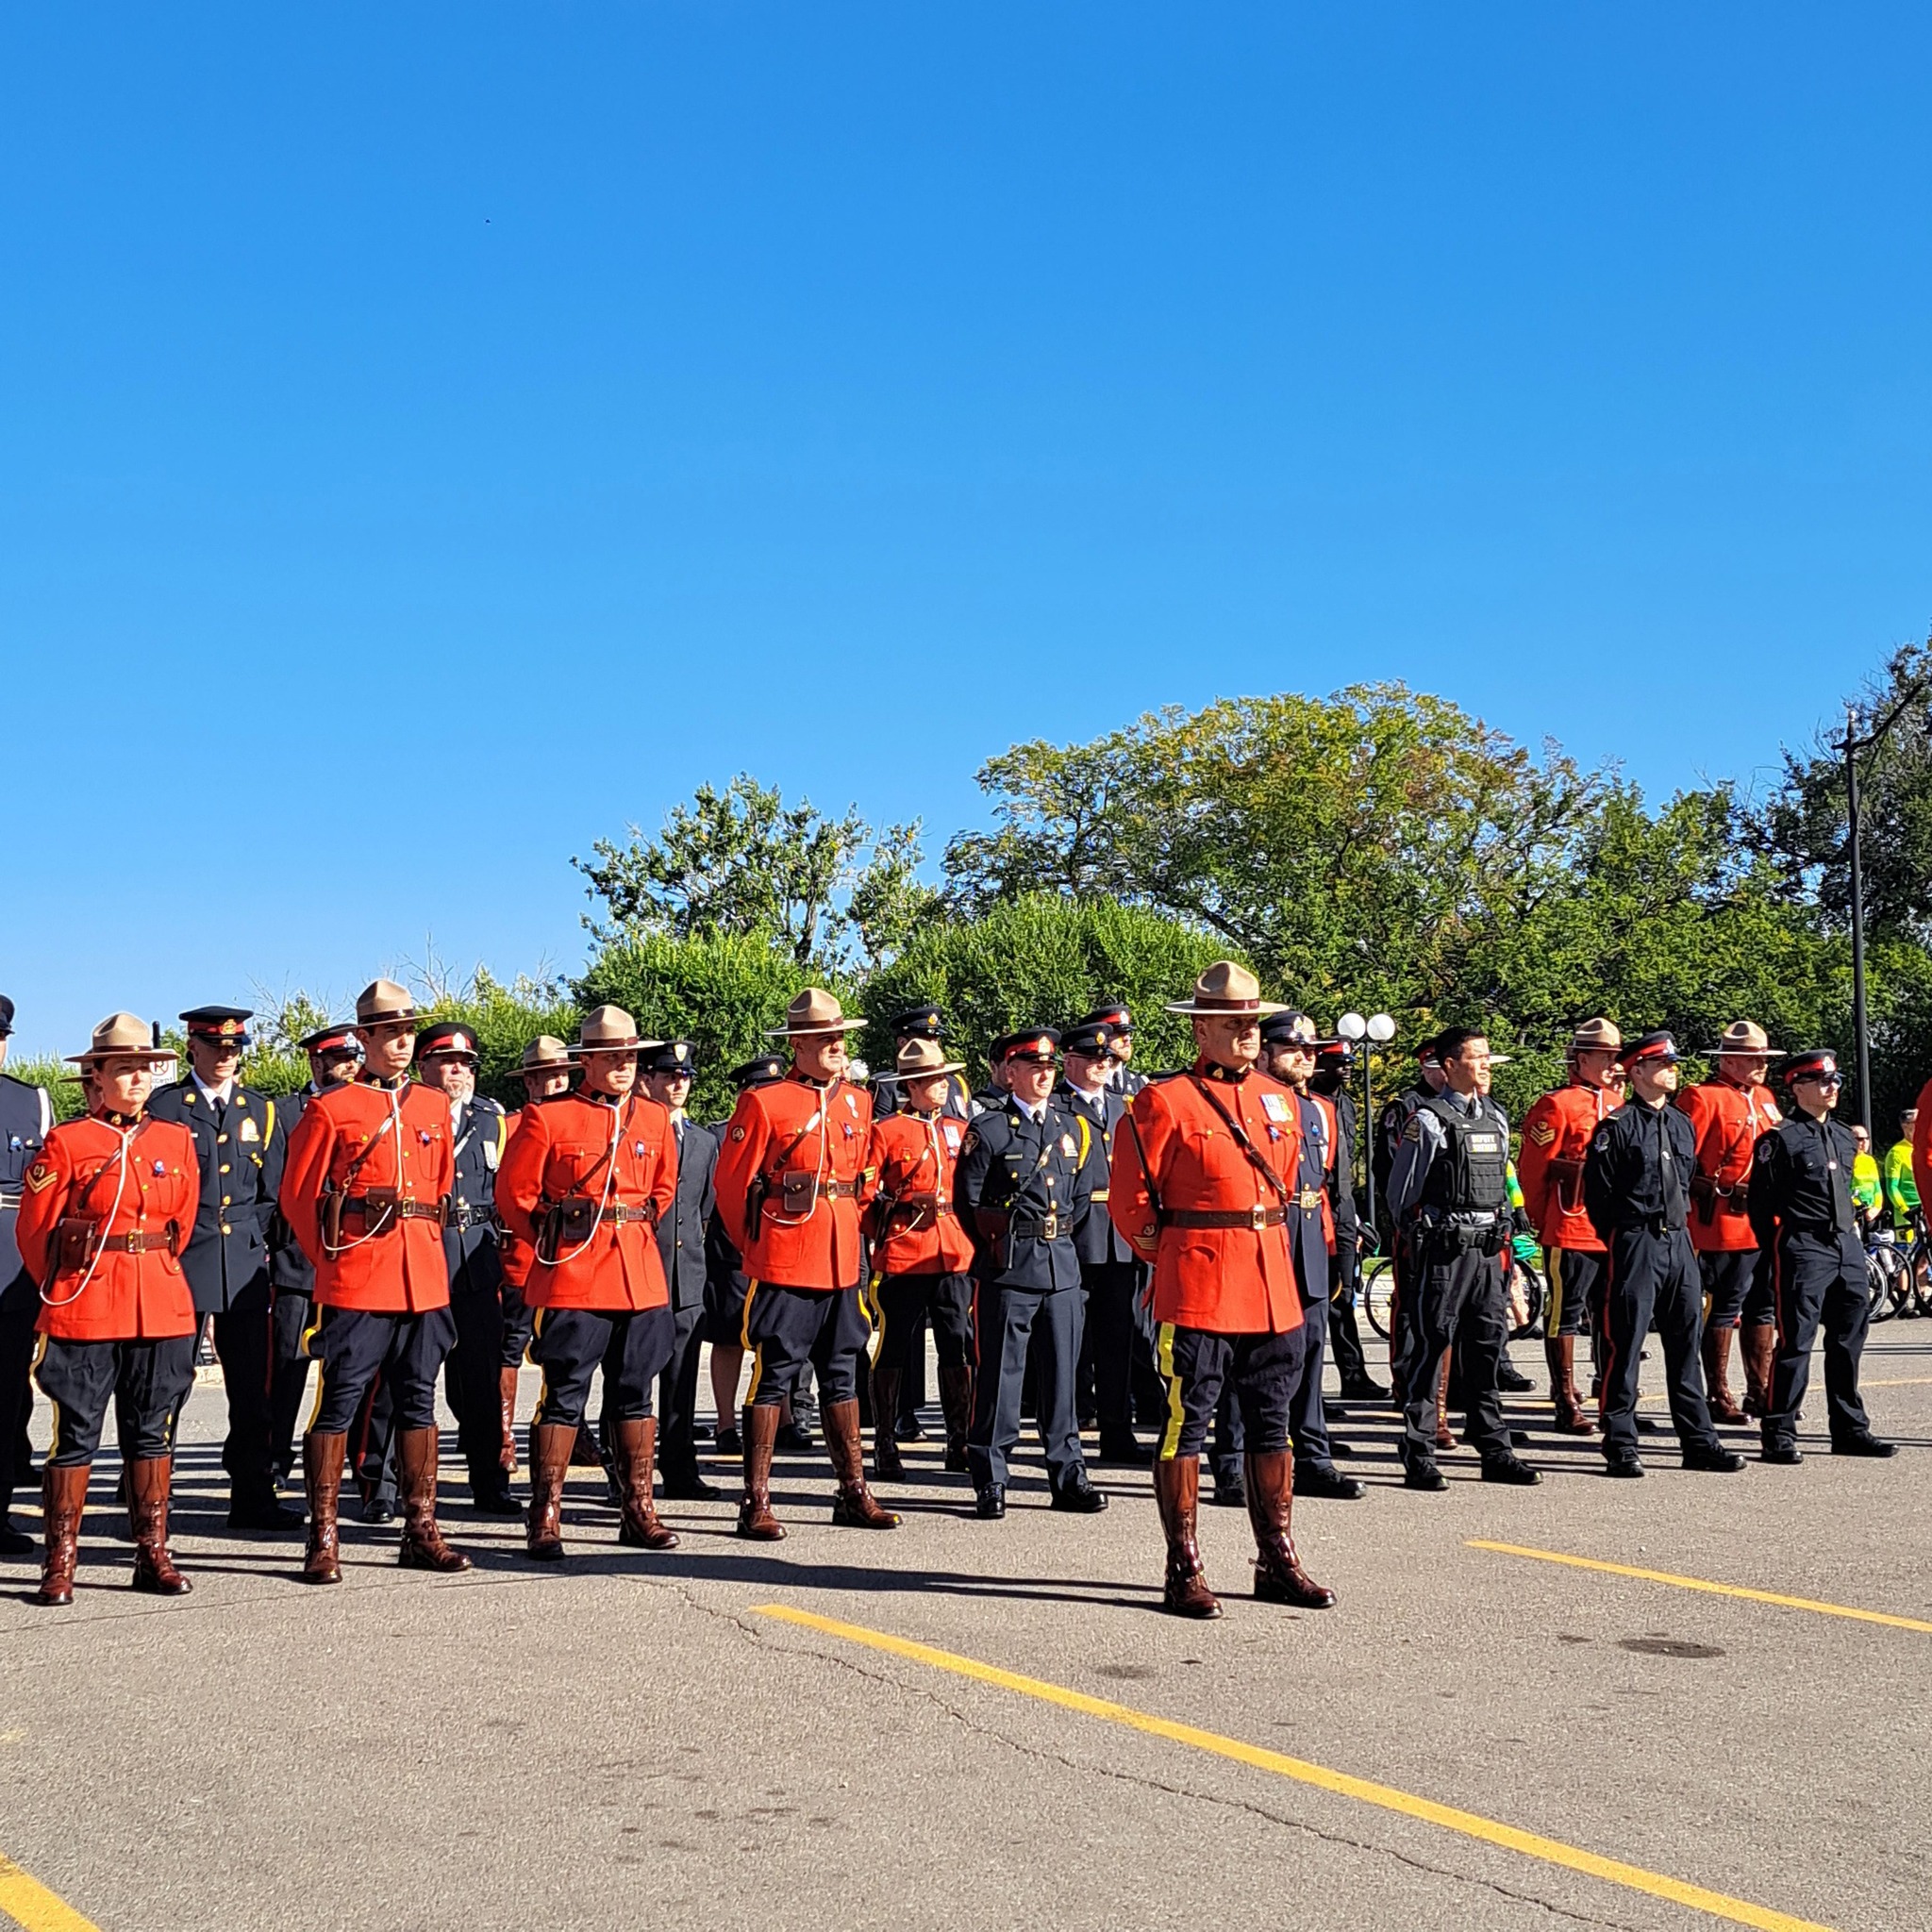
(220, 1138)
(224, 1167)
(224, 1203)
(226, 1229)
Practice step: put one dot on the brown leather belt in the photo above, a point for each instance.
(940, 1201)
(387, 1212)
(1257, 1217)
(622, 1215)
(134, 1243)
(841, 1191)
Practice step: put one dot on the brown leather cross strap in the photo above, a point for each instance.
(1246, 1145)
(1257, 1217)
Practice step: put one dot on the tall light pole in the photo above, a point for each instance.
(1380, 1029)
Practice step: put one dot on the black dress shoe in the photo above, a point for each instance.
(690, 1489)
(379, 1508)
(1322, 1479)
(495, 1503)
(907, 1429)
(1512, 1381)
(1628, 1464)
(1341, 1449)
(1080, 1497)
(1230, 1488)
(1510, 1469)
(1781, 1452)
(1713, 1456)
(1126, 1450)
(1361, 1389)
(729, 1443)
(1867, 1444)
(992, 1503)
(265, 1513)
(1423, 1475)
(794, 1438)
(14, 1542)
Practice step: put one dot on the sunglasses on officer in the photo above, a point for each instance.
(1818, 1080)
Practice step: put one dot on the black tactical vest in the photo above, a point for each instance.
(1472, 1174)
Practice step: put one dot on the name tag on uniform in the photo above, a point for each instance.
(1275, 1106)
(1486, 1144)
(249, 1130)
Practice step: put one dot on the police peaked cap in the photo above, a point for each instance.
(926, 1022)
(1037, 1043)
(1293, 1027)
(5, 1016)
(331, 1038)
(229, 1025)
(1111, 1013)
(1813, 1062)
(1656, 1045)
(756, 1073)
(669, 1056)
(1090, 1039)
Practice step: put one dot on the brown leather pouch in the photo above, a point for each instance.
(567, 1225)
(800, 1192)
(80, 1241)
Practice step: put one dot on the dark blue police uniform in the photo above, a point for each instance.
(471, 1247)
(681, 1245)
(25, 1115)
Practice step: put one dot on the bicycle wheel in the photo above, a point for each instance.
(1887, 1275)
(1529, 1282)
(1378, 1288)
(1915, 1281)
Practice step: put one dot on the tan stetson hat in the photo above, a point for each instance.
(919, 1059)
(1227, 989)
(547, 1054)
(381, 1000)
(814, 1010)
(122, 1035)
(1744, 1037)
(609, 1030)
(1597, 1036)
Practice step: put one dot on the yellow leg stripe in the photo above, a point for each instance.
(758, 1370)
(1171, 1436)
(1472, 1824)
(28, 1903)
(1553, 1268)
(751, 1288)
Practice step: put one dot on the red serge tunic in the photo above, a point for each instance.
(1556, 1136)
(1231, 1279)
(620, 1157)
(914, 1228)
(820, 1137)
(1728, 1121)
(132, 1183)
(351, 1140)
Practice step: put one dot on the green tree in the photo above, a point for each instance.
(740, 862)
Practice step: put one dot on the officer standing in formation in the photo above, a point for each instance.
(238, 1147)
(1636, 1190)
(1729, 1112)
(666, 1072)
(728, 1285)
(1449, 1196)
(106, 1210)
(26, 1118)
(1027, 1176)
(1334, 1064)
(1800, 1208)
(1556, 1133)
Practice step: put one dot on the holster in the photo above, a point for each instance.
(755, 1206)
(566, 1223)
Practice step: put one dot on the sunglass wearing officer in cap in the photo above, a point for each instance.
(27, 1117)
(1119, 1022)
(1024, 1183)
(1390, 1125)
(1802, 1208)
(365, 1187)
(922, 1021)
(240, 1141)
(446, 1062)
(1636, 1190)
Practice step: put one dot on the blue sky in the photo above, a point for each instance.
(432, 436)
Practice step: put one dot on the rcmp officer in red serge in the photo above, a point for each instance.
(446, 1060)
(333, 1058)
(1636, 1188)
(365, 1187)
(1027, 1176)
(1801, 1209)
(586, 1181)
(545, 1069)
(1556, 1133)
(667, 1070)
(1728, 1113)
(1204, 1168)
(106, 1211)
(793, 1176)
(1449, 1199)
(26, 1115)
(239, 1141)
(921, 1256)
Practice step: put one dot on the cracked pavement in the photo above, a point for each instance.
(625, 1738)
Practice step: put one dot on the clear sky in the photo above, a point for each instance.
(432, 436)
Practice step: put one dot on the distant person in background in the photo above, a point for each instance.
(1901, 1189)
(1868, 1191)
(26, 1118)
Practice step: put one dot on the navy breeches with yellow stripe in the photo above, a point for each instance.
(1263, 1369)
(1576, 1286)
(357, 1345)
(830, 1328)
(145, 1381)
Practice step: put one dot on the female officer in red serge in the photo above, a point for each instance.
(368, 1170)
(1204, 1168)
(104, 1210)
(791, 1181)
(584, 1182)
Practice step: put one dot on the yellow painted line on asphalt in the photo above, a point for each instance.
(1896, 1382)
(1384, 1797)
(1700, 1583)
(28, 1903)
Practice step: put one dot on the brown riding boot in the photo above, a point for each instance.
(755, 1518)
(1446, 1435)
(507, 1403)
(853, 1506)
(1757, 1346)
(1559, 1351)
(956, 1403)
(550, 1447)
(637, 1456)
(422, 1547)
(1279, 1577)
(322, 1477)
(63, 1498)
(887, 1465)
(1177, 1495)
(1717, 1367)
(150, 1479)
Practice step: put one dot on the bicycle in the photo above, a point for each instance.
(1529, 1296)
(1889, 1271)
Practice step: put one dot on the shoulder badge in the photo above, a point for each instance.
(738, 1132)
(1602, 1136)
(1541, 1132)
(969, 1140)
(40, 1174)
(1413, 1131)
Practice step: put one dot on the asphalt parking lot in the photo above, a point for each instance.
(971, 1724)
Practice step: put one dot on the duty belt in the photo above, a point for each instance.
(134, 1243)
(1045, 1227)
(1257, 1217)
(463, 1215)
(620, 1214)
(367, 1210)
(841, 1191)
